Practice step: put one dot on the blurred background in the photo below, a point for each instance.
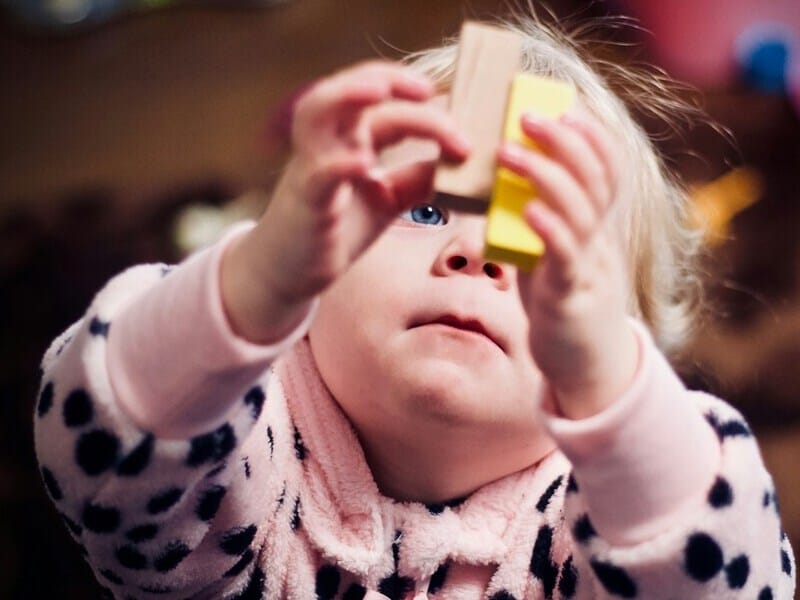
(130, 131)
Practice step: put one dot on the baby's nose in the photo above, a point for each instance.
(463, 253)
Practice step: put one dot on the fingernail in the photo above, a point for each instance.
(511, 152)
(533, 119)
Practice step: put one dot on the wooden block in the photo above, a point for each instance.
(508, 237)
(488, 59)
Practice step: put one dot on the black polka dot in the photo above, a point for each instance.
(702, 557)
(235, 541)
(51, 484)
(734, 428)
(255, 400)
(281, 497)
(541, 505)
(96, 451)
(164, 500)
(614, 579)
(327, 582)
(395, 586)
(216, 471)
(270, 441)
(583, 530)
(208, 504)
(138, 458)
(171, 556)
(212, 446)
(438, 578)
(542, 566)
(503, 595)
(721, 494)
(246, 465)
(111, 577)
(45, 399)
(737, 572)
(155, 589)
(398, 535)
(255, 586)
(786, 563)
(131, 558)
(142, 533)
(568, 582)
(765, 594)
(63, 345)
(295, 522)
(572, 484)
(74, 528)
(98, 327)
(437, 508)
(241, 564)
(355, 592)
(100, 519)
(299, 447)
(78, 409)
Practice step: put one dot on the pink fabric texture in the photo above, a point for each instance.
(189, 463)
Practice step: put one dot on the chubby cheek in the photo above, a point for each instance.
(345, 334)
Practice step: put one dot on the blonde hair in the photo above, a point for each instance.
(661, 249)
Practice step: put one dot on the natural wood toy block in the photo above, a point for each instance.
(508, 237)
(488, 59)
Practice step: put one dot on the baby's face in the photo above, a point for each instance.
(421, 327)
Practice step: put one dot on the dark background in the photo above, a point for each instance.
(107, 135)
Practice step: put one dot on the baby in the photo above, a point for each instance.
(346, 400)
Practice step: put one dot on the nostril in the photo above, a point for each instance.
(492, 270)
(456, 262)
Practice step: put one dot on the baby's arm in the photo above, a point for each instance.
(145, 417)
(158, 506)
(334, 200)
(670, 497)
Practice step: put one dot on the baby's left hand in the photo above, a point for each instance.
(576, 298)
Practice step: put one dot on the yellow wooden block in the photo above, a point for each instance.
(508, 237)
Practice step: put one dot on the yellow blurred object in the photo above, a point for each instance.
(508, 237)
(714, 204)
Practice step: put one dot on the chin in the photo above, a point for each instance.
(454, 392)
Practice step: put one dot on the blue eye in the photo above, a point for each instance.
(425, 214)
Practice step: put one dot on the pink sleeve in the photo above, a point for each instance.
(174, 361)
(645, 462)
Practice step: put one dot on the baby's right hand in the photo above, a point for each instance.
(333, 200)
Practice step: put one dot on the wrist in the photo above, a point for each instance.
(254, 306)
(607, 379)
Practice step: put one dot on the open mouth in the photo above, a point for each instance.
(464, 324)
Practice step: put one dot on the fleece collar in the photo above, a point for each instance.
(352, 523)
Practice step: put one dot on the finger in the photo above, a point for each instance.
(561, 247)
(329, 173)
(391, 122)
(568, 146)
(354, 88)
(600, 138)
(555, 186)
(411, 184)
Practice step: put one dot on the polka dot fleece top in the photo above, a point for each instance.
(188, 463)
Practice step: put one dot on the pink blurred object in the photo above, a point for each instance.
(696, 40)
